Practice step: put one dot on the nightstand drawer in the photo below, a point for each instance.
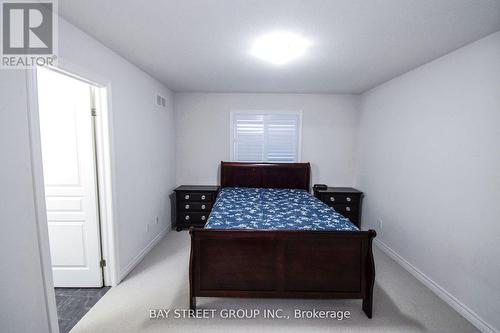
(345, 209)
(193, 204)
(345, 200)
(335, 198)
(195, 207)
(205, 197)
(193, 217)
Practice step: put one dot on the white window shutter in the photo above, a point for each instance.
(266, 137)
(248, 137)
(282, 137)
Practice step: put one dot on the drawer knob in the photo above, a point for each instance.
(187, 217)
(203, 206)
(203, 218)
(332, 199)
(186, 207)
(203, 197)
(186, 197)
(348, 199)
(348, 209)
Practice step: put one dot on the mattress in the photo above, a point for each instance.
(273, 209)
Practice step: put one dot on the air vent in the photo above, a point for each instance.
(161, 101)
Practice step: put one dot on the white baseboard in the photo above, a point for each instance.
(461, 308)
(134, 262)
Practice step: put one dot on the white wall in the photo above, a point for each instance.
(430, 169)
(329, 124)
(143, 142)
(22, 305)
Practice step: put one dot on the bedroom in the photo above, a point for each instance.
(392, 104)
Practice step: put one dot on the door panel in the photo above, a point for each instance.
(66, 128)
(70, 237)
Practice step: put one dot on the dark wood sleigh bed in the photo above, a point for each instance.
(279, 264)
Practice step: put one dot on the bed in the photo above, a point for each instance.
(268, 237)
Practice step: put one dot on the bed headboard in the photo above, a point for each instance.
(266, 175)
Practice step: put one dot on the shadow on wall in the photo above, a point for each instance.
(315, 174)
(218, 174)
(173, 210)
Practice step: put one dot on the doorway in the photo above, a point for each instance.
(72, 146)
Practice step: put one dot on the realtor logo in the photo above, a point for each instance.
(28, 33)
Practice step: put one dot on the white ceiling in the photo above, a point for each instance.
(204, 45)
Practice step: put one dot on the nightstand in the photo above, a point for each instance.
(193, 205)
(345, 200)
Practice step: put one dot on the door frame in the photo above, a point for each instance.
(106, 179)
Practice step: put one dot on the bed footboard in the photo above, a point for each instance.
(282, 264)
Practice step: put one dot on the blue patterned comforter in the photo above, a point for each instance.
(273, 209)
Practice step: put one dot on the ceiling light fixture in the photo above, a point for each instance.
(279, 47)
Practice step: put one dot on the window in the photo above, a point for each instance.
(258, 136)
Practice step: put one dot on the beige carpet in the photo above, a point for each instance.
(401, 303)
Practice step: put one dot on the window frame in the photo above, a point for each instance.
(232, 115)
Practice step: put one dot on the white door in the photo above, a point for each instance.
(67, 134)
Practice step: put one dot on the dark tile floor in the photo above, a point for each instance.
(74, 303)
